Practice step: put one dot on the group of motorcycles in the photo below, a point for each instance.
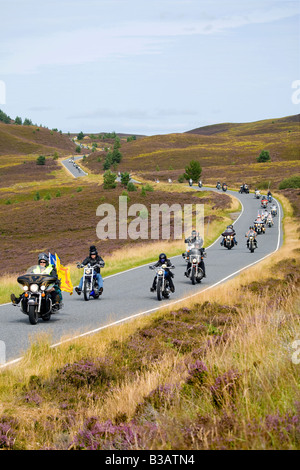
(37, 297)
(193, 256)
(264, 218)
(223, 186)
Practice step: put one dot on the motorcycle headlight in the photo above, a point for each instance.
(88, 271)
(160, 272)
(43, 287)
(25, 288)
(194, 260)
(34, 287)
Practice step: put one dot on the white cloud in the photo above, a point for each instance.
(125, 38)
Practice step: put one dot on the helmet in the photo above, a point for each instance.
(93, 250)
(194, 233)
(162, 257)
(44, 257)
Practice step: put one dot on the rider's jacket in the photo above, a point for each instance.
(251, 233)
(50, 270)
(97, 260)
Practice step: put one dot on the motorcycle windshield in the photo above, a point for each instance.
(33, 276)
(34, 269)
(195, 252)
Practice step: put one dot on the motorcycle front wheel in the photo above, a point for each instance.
(86, 291)
(33, 315)
(193, 276)
(159, 289)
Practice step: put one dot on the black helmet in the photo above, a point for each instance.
(93, 250)
(162, 257)
(44, 257)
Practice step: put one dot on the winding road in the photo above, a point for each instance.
(127, 294)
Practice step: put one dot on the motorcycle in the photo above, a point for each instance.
(244, 189)
(90, 286)
(162, 282)
(264, 203)
(274, 211)
(218, 185)
(251, 243)
(200, 184)
(195, 272)
(257, 194)
(36, 300)
(224, 187)
(270, 222)
(191, 182)
(228, 242)
(259, 227)
(270, 198)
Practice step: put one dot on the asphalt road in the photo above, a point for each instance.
(128, 294)
(76, 172)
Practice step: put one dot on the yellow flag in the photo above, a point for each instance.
(64, 276)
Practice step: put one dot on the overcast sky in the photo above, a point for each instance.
(148, 66)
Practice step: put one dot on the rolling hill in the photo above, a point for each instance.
(23, 140)
(225, 151)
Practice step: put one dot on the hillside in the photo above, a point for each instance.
(225, 151)
(24, 140)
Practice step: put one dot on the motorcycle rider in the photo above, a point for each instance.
(269, 219)
(162, 259)
(257, 192)
(251, 233)
(192, 239)
(274, 208)
(197, 246)
(92, 259)
(229, 231)
(44, 267)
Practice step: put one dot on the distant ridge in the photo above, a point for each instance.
(227, 126)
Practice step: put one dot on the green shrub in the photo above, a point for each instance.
(292, 182)
(109, 179)
(148, 187)
(47, 197)
(41, 160)
(264, 156)
(131, 187)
